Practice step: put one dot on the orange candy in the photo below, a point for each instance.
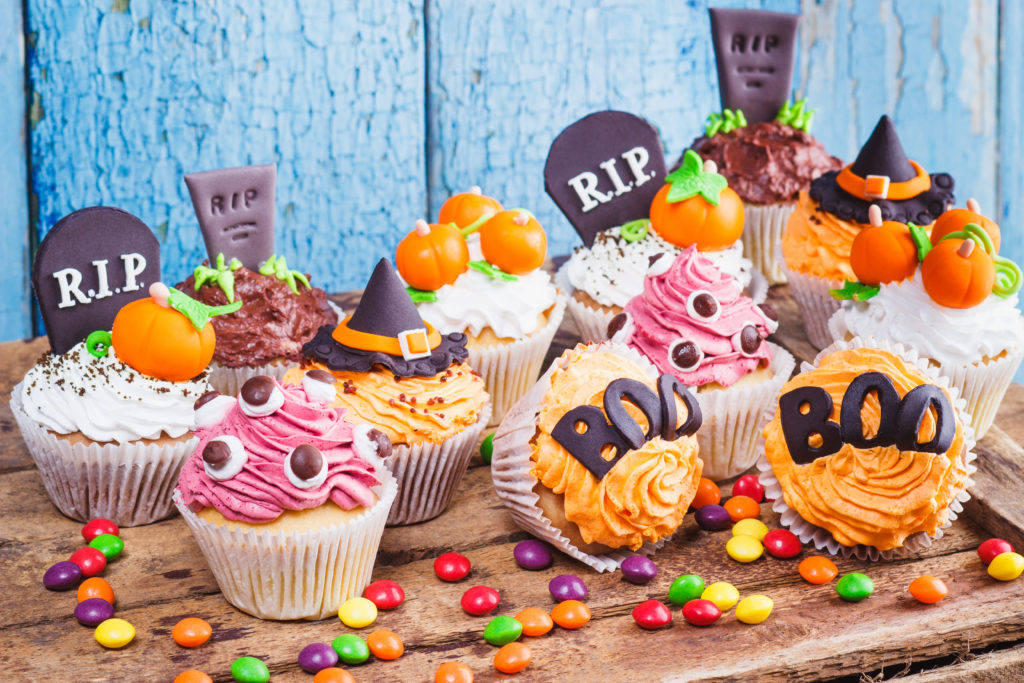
(883, 253)
(708, 493)
(466, 208)
(570, 614)
(928, 589)
(192, 676)
(385, 644)
(514, 241)
(954, 220)
(742, 507)
(333, 674)
(535, 621)
(958, 273)
(817, 569)
(95, 587)
(191, 632)
(453, 672)
(160, 342)
(697, 221)
(512, 658)
(432, 256)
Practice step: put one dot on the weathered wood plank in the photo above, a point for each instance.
(991, 667)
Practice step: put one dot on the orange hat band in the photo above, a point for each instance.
(881, 187)
(409, 344)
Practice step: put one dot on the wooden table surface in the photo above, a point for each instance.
(976, 633)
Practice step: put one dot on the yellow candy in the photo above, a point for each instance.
(723, 594)
(750, 527)
(744, 548)
(114, 633)
(1006, 566)
(357, 612)
(754, 609)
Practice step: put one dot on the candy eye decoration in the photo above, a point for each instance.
(370, 441)
(684, 355)
(771, 317)
(702, 305)
(621, 327)
(224, 457)
(319, 385)
(306, 467)
(659, 264)
(748, 340)
(260, 396)
(211, 408)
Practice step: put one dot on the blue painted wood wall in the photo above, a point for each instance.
(377, 111)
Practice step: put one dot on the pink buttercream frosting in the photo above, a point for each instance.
(261, 491)
(660, 318)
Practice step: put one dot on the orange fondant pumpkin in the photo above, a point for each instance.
(883, 252)
(958, 273)
(697, 221)
(954, 220)
(432, 256)
(161, 342)
(467, 208)
(514, 241)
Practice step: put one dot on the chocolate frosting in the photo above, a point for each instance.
(766, 162)
(273, 322)
(323, 348)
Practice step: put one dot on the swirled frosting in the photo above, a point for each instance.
(903, 311)
(409, 410)
(873, 496)
(261, 491)
(661, 319)
(645, 495)
(105, 399)
(818, 243)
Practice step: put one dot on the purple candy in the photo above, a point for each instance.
(93, 612)
(532, 554)
(713, 518)
(639, 569)
(317, 656)
(62, 576)
(567, 587)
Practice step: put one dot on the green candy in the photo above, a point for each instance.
(685, 588)
(351, 649)
(108, 544)
(855, 586)
(487, 448)
(502, 631)
(249, 670)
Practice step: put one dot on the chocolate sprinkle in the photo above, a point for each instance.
(204, 399)
(306, 461)
(257, 390)
(216, 454)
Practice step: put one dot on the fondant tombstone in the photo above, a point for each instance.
(604, 170)
(755, 51)
(90, 264)
(235, 208)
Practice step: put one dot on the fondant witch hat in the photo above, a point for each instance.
(386, 330)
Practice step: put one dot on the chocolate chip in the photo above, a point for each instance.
(257, 390)
(769, 312)
(651, 259)
(686, 355)
(204, 399)
(382, 441)
(705, 305)
(319, 375)
(216, 453)
(307, 461)
(750, 340)
(617, 323)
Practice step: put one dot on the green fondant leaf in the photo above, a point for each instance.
(197, 312)
(690, 179)
(421, 296)
(492, 271)
(857, 291)
(921, 240)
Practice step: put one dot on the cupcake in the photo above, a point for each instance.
(820, 232)
(286, 498)
(385, 366)
(868, 496)
(281, 311)
(594, 476)
(958, 308)
(692, 322)
(478, 272)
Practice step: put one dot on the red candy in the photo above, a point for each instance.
(782, 543)
(89, 560)
(992, 547)
(479, 600)
(701, 612)
(748, 486)
(452, 567)
(384, 594)
(98, 527)
(652, 614)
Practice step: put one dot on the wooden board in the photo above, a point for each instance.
(977, 632)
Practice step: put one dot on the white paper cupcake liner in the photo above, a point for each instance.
(428, 474)
(294, 575)
(511, 465)
(130, 484)
(822, 538)
(510, 369)
(763, 226)
(815, 302)
(730, 436)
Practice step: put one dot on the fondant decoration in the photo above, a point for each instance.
(386, 330)
(98, 343)
(634, 231)
(260, 396)
(432, 256)
(90, 264)
(884, 252)
(319, 385)
(492, 271)
(726, 122)
(221, 274)
(305, 467)
(697, 207)
(211, 408)
(235, 208)
(514, 241)
(956, 273)
(584, 432)
(754, 51)
(807, 411)
(467, 211)
(954, 220)
(620, 328)
(702, 305)
(223, 457)
(795, 115)
(603, 171)
(278, 267)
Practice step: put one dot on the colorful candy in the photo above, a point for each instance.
(782, 543)
(452, 567)
(453, 672)
(512, 658)
(93, 611)
(742, 507)
(567, 587)
(639, 569)
(316, 657)
(754, 609)
(357, 612)
(333, 675)
(928, 589)
(114, 633)
(722, 593)
(385, 644)
(62, 576)
(384, 594)
(351, 649)
(744, 548)
(652, 614)
(988, 550)
(108, 544)
(502, 630)
(570, 614)
(479, 600)
(535, 621)
(817, 569)
(532, 554)
(90, 560)
(712, 517)
(685, 588)
(708, 493)
(701, 612)
(192, 676)
(98, 527)
(249, 670)
(487, 449)
(750, 527)
(1006, 566)
(96, 587)
(749, 486)
(191, 632)
(854, 587)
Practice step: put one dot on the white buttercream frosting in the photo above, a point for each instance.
(106, 400)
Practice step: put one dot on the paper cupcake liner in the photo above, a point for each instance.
(815, 303)
(294, 575)
(129, 484)
(428, 474)
(511, 465)
(822, 538)
(730, 436)
(229, 381)
(763, 226)
(510, 369)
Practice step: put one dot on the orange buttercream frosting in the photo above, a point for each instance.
(818, 243)
(875, 496)
(644, 497)
(410, 410)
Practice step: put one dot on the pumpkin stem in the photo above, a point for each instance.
(874, 215)
(710, 166)
(973, 205)
(160, 293)
(197, 312)
(475, 190)
(966, 247)
(475, 225)
(422, 228)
